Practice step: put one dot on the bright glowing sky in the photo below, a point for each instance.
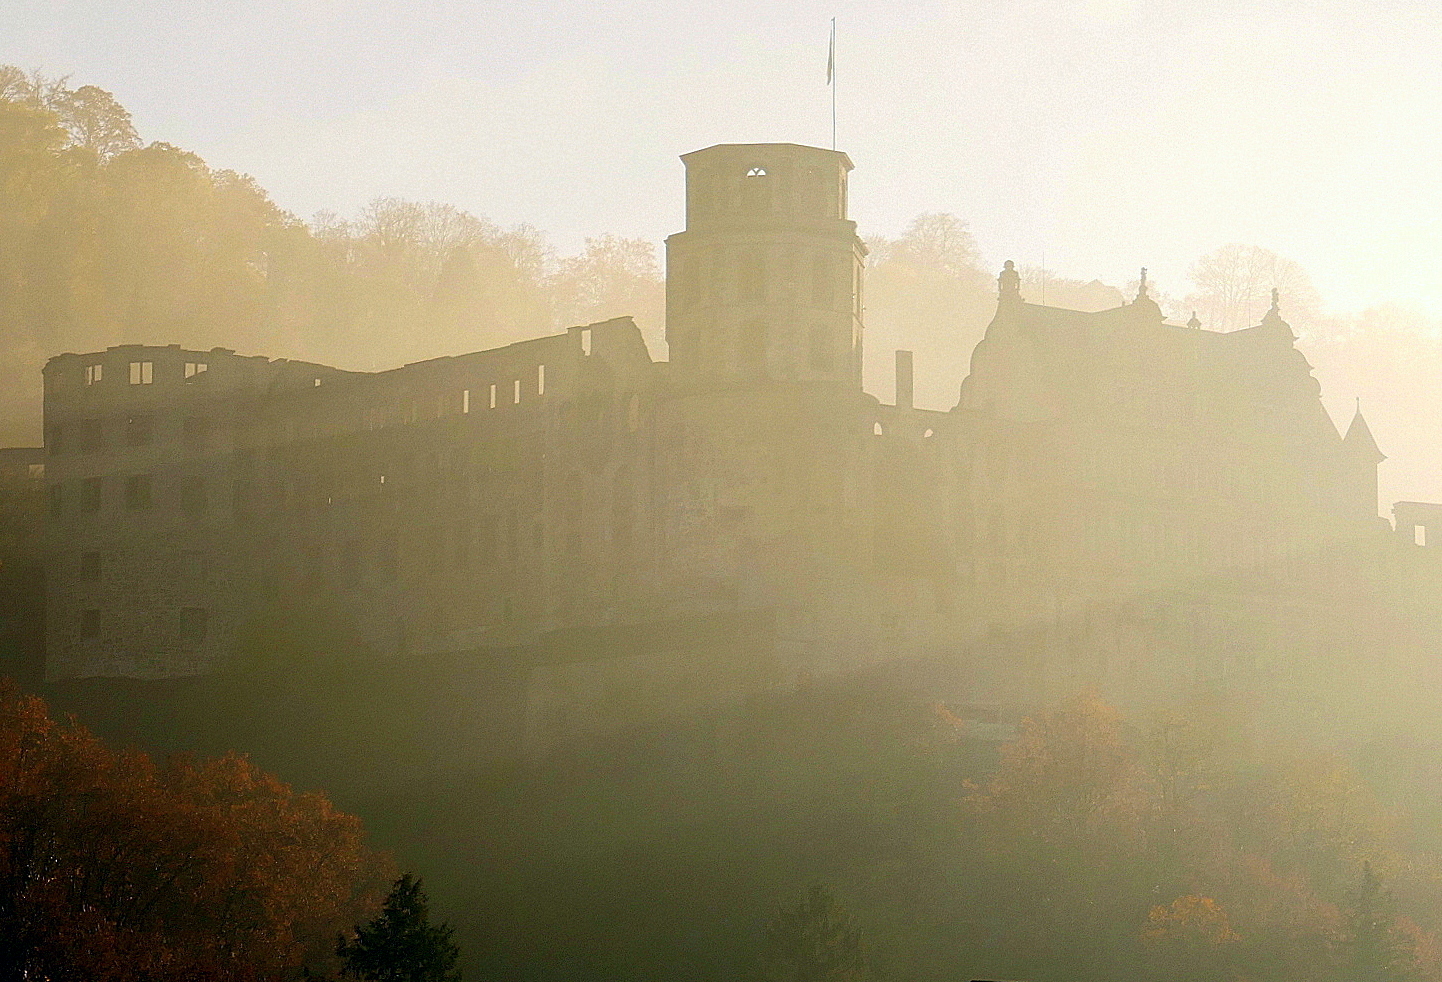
(1111, 133)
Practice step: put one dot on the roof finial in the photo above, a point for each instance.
(1276, 301)
(1142, 285)
(1009, 282)
(1194, 324)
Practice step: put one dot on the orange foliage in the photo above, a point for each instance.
(114, 867)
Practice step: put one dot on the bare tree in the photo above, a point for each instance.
(1234, 286)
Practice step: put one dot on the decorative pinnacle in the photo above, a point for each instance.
(1009, 282)
(1276, 301)
(1142, 285)
(1194, 324)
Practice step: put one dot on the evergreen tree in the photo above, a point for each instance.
(401, 945)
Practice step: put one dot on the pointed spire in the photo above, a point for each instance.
(1009, 283)
(1142, 285)
(1194, 324)
(1359, 441)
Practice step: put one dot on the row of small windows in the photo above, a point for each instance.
(135, 430)
(87, 496)
(753, 272)
(141, 372)
(187, 626)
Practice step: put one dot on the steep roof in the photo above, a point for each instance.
(1359, 440)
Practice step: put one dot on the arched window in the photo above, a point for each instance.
(757, 171)
(876, 429)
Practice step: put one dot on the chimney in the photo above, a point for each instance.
(903, 380)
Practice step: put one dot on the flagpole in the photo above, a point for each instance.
(831, 79)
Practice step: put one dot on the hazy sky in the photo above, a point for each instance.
(1111, 133)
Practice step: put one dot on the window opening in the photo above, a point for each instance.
(137, 492)
(586, 341)
(1419, 534)
(94, 373)
(493, 395)
(465, 401)
(540, 380)
(516, 392)
(142, 372)
(756, 172)
(194, 368)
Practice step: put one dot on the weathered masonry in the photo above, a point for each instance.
(570, 488)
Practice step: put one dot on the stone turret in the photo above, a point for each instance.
(765, 281)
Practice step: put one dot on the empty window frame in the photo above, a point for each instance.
(493, 396)
(516, 392)
(465, 401)
(90, 491)
(139, 431)
(192, 495)
(138, 492)
(194, 368)
(142, 372)
(94, 374)
(193, 625)
(540, 380)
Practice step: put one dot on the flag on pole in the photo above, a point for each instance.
(831, 55)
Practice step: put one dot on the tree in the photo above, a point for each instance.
(613, 277)
(115, 867)
(1373, 947)
(401, 945)
(814, 941)
(1234, 286)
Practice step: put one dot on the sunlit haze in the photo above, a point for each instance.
(1104, 135)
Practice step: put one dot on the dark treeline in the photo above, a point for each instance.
(1094, 846)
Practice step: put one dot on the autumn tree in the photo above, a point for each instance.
(113, 866)
(401, 945)
(613, 277)
(814, 941)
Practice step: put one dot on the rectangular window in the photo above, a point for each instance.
(586, 341)
(516, 392)
(139, 431)
(92, 436)
(89, 567)
(193, 625)
(487, 541)
(90, 624)
(94, 373)
(194, 368)
(90, 490)
(192, 495)
(56, 501)
(493, 395)
(195, 430)
(465, 401)
(540, 380)
(350, 564)
(142, 372)
(137, 492)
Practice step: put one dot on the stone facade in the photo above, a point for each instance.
(571, 489)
